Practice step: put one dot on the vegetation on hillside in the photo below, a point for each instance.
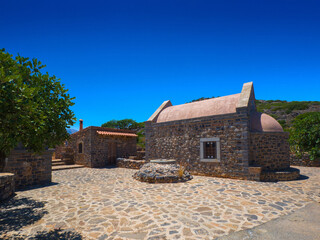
(287, 107)
(34, 106)
(285, 112)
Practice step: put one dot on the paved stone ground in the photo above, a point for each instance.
(303, 224)
(110, 204)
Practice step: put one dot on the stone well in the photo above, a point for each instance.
(162, 171)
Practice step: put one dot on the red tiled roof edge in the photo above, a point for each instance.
(108, 133)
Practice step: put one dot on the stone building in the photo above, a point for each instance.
(99, 147)
(224, 137)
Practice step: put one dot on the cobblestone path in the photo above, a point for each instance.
(110, 204)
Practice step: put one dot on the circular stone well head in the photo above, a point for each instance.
(163, 161)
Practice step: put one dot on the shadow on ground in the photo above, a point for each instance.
(19, 212)
(36, 186)
(303, 177)
(51, 235)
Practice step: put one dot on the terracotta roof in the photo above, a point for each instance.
(261, 122)
(117, 134)
(210, 107)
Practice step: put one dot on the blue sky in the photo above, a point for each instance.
(122, 59)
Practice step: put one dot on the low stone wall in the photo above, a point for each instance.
(29, 169)
(304, 161)
(129, 163)
(6, 185)
(284, 175)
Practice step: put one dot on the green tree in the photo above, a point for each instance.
(34, 106)
(305, 134)
(123, 124)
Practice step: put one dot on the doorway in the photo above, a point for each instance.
(112, 153)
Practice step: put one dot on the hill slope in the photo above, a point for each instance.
(284, 112)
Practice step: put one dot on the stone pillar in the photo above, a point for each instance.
(148, 135)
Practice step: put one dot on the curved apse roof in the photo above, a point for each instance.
(261, 122)
(214, 106)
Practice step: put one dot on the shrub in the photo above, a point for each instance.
(305, 134)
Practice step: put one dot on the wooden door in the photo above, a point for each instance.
(112, 153)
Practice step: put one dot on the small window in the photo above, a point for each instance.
(210, 149)
(80, 148)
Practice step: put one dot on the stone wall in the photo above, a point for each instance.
(58, 150)
(180, 140)
(6, 185)
(29, 169)
(304, 161)
(101, 150)
(269, 150)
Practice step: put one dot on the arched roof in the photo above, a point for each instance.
(261, 122)
(210, 107)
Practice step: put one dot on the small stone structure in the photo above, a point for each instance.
(6, 185)
(97, 147)
(29, 168)
(223, 137)
(162, 171)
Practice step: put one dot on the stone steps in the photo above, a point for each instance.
(64, 167)
(58, 164)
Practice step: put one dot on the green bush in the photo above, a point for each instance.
(305, 134)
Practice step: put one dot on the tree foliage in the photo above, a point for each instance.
(305, 134)
(34, 106)
(123, 124)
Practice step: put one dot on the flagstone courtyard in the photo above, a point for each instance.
(109, 204)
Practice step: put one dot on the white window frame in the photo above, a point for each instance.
(213, 139)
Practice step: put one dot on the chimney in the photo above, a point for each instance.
(81, 124)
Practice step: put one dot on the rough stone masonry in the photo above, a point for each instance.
(245, 144)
